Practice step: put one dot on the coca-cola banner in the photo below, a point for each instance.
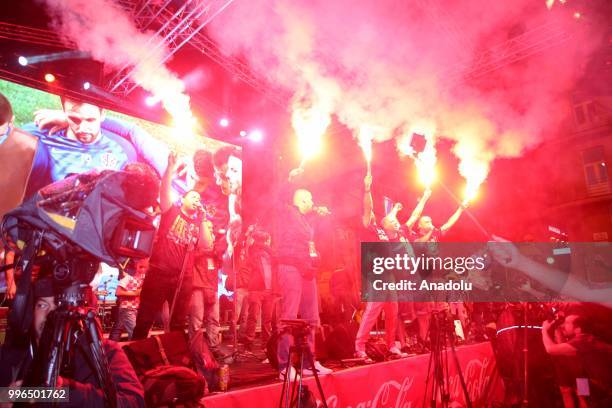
(397, 384)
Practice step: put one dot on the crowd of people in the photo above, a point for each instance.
(200, 237)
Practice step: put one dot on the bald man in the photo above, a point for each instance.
(298, 260)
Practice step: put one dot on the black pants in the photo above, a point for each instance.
(159, 286)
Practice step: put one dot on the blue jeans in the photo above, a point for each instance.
(205, 313)
(126, 319)
(298, 296)
(260, 301)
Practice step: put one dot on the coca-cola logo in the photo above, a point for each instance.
(389, 394)
(410, 391)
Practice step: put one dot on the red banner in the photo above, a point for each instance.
(398, 384)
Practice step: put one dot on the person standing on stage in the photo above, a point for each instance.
(183, 232)
(227, 163)
(425, 240)
(204, 311)
(298, 261)
(390, 231)
(427, 232)
(128, 300)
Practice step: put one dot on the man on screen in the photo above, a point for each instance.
(17, 150)
(87, 141)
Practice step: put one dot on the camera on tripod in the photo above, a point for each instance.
(66, 230)
(69, 227)
(300, 328)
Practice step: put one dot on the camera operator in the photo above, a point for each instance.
(180, 227)
(583, 361)
(19, 359)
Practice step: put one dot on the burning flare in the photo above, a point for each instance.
(425, 161)
(366, 136)
(473, 166)
(309, 123)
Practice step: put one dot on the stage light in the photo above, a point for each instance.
(86, 86)
(577, 14)
(256, 135)
(49, 77)
(224, 122)
(243, 133)
(23, 61)
(151, 101)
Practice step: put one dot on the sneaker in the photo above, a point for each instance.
(397, 353)
(364, 356)
(320, 370)
(292, 375)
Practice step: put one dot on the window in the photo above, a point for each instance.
(579, 112)
(592, 111)
(595, 171)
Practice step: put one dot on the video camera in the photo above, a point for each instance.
(67, 228)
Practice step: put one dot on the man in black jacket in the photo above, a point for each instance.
(298, 260)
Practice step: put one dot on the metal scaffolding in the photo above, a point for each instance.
(176, 29)
(523, 46)
(152, 13)
(173, 27)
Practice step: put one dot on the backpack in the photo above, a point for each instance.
(377, 349)
(171, 385)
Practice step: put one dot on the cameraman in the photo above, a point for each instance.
(583, 361)
(17, 361)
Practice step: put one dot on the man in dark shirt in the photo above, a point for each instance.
(204, 311)
(586, 357)
(298, 260)
(183, 232)
(425, 240)
(427, 232)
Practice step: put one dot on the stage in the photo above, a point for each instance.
(398, 383)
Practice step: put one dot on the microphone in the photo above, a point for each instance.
(320, 210)
(200, 207)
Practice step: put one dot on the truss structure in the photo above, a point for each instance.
(173, 28)
(525, 45)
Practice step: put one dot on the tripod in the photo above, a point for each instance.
(441, 334)
(102, 311)
(71, 323)
(301, 351)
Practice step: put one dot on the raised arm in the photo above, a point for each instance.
(552, 348)
(453, 219)
(418, 210)
(508, 255)
(148, 148)
(368, 203)
(165, 195)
